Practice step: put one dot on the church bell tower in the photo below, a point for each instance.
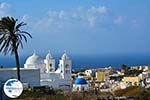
(50, 63)
(65, 66)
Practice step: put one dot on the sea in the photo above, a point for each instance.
(89, 61)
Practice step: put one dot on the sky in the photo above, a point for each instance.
(83, 26)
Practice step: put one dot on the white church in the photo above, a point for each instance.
(59, 78)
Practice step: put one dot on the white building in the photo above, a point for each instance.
(80, 85)
(90, 72)
(59, 78)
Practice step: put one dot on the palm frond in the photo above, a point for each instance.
(20, 24)
(11, 36)
(24, 32)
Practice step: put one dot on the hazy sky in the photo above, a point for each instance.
(83, 26)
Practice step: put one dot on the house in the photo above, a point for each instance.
(132, 80)
(101, 76)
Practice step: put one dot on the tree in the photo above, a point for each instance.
(125, 68)
(11, 37)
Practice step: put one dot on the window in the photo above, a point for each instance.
(67, 65)
(82, 88)
(50, 69)
(77, 88)
(50, 65)
(67, 70)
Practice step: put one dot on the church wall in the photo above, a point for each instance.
(59, 79)
(79, 87)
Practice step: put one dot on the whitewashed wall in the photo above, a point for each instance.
(30, 76)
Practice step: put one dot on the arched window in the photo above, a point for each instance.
(82, 88)
(50, 65)
(67, 66)
(50, 69)
(77, 88)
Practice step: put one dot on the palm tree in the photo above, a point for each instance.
(11, 37)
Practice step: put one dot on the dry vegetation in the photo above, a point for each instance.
(136, 92)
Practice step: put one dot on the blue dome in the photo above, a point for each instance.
(80, 81)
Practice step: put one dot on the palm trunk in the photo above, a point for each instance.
(17, 63)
